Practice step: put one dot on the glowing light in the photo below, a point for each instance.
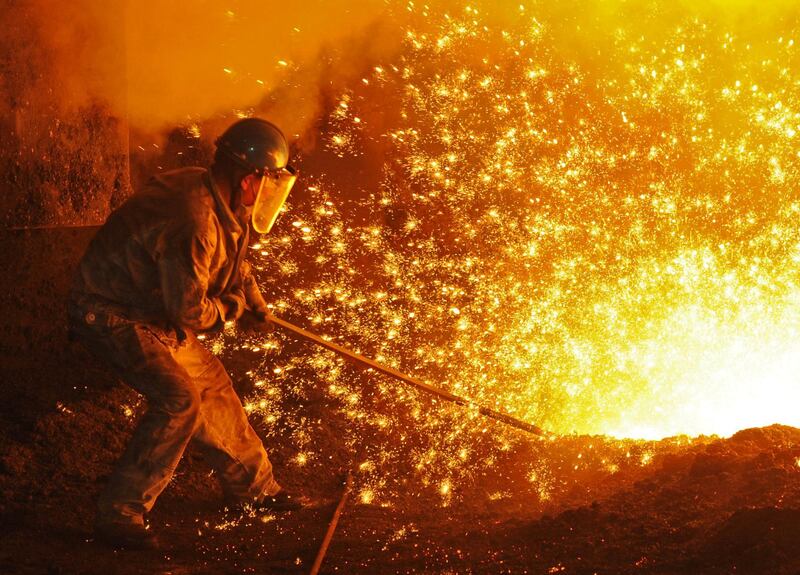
(604, 244)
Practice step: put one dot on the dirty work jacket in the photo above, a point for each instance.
(170, 254)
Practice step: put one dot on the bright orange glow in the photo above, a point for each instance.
(590, 223)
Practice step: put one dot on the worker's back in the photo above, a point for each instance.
(172, 222)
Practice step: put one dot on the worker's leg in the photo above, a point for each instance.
(146, 363)
(226, 437)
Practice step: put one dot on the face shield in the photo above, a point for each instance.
(272, 193)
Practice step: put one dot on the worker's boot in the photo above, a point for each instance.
(126, 536)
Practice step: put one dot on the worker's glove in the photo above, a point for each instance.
(234, 306)
(256, 320)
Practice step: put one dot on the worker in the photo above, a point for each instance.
(168, 264)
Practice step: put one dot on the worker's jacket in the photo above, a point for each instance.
(173, 252)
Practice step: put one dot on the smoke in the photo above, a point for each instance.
(60, 55)
(190, 61)
(159, 64)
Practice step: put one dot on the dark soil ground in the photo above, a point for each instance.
(703, 505)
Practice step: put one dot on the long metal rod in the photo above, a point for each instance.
(367, 362)
(323, 549)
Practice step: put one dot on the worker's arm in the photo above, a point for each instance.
(183, 266)
(252, 294)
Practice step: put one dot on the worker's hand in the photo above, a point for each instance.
(234, 306)
(256, 321)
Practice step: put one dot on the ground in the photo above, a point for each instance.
(679, 505)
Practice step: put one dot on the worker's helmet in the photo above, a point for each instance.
(255, 144)
(260, 147)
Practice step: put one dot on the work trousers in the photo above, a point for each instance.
(190, 397)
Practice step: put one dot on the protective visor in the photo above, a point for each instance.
(272, 193)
